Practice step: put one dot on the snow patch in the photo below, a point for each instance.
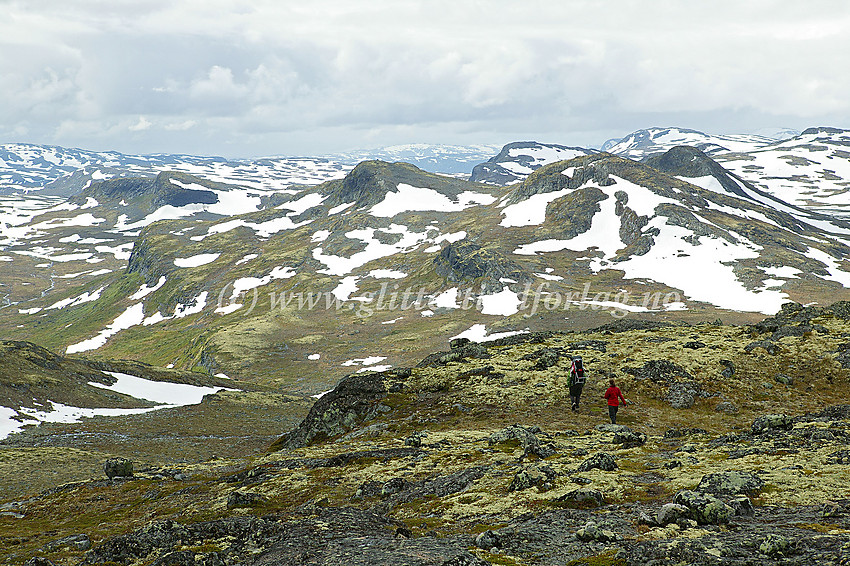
(132, 316)
(196, 260)
(478, 333)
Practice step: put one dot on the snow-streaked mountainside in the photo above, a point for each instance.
(380, 265)
(64, 172)
(517, 160)
(643, 143)
(811, 170)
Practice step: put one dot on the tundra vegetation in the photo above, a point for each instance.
(733, 450)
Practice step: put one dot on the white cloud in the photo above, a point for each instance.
(271, 77)
(142, 125)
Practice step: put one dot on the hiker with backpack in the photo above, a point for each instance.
(576, 381)
(614, 395)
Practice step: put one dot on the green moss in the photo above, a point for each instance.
(606, 559)
(501, 559)
(818, 527)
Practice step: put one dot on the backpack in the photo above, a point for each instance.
(577, 370)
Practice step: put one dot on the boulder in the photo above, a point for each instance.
(415, 439)
(671, 513)
(768, 346)
(583, 498)
(353, 401)
(629, 439)
(533, 476)
(742, 506)
(591, 532)
(544, 358)
(772, 422)
(118, 468)
(783, 379)
(488, 540)
(601, 461)
(705, 509)
(526, 436)
(726, 407)
(660, 371)
(775, 545)
(730, 483)
(683, 394)
(393, 486)
(615, 428)
(238, 499)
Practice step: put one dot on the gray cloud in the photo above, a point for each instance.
(263, 77)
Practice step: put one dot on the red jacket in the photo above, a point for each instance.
(613, 394)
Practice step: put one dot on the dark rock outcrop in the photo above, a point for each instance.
(118, 468)
(601, 461)
(164, 189)
(354, 400)
(466, 262)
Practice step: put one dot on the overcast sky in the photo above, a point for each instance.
(280, 77)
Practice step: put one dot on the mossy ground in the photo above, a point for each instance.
(230, 431)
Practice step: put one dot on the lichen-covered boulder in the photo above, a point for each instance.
(488, 540)
(393, 486)
(683, 394)
(238, 499)
(705, 509)
(742, 506)
(533, 476)
(726, 407)
(671, 513)
(601, 461)
(583, 498)
(354, 400)
(592, 532)
(730, 483)
(772, 422)
(118, 468)
(775, 545)
(783, 379)
(629, 439)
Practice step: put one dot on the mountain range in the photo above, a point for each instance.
(243, 277)
(216, 305)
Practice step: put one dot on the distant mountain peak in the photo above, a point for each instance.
(650, 141)
(517, 160)
(369, 182)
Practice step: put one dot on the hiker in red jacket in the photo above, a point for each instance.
(613, 395)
